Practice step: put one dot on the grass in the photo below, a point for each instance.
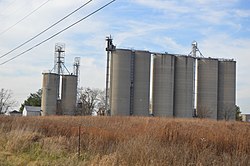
(122, 141)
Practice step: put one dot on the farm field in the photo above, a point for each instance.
(122, 141)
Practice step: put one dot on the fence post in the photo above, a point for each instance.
(79, 141)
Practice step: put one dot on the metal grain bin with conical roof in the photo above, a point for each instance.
(141, 93)
(163, 85)
(184, 87)
(207, 88)
(226, 89)
(120, 82)
(50, 92)
(69, 94)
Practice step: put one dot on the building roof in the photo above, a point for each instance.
(15, 112)
(8, 113)
(32, 108)
(245, 113)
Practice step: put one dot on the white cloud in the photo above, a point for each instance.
(92, 75)
(242, 13)
(170, 45)
(170, 6)
(211, 16)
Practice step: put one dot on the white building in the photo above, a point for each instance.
(31, 111)
(245, 117)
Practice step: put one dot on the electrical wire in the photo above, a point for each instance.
(38, 44)
(7, 29)
(45, 30)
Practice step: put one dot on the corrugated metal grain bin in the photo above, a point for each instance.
(226, 89)
(207, 89)
(50, 90)
(184, 87)
(163, 85)
(69, 94)
(120, 84)
(141, 83)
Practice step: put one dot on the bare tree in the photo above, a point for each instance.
(227, 112)
(101, 103)
(6, 100)
(91, 101)
(203, 112)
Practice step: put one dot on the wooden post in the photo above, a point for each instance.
(79, 141)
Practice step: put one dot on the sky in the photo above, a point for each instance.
(221, 28)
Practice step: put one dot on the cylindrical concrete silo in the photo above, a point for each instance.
(50, 90)
(163, 85)
(69, 94)
(120, 85)
(226, 89)
(207, 88)
(183, 87)
(141, 83)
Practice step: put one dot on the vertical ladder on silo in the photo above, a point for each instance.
(132, 71)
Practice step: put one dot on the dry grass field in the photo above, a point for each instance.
(122, 141)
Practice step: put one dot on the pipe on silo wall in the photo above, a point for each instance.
(50, 91)
(141, 83)
(207, 88)
(120, 77)
(183, 87)
(163, 85)
(226, 90)
(69, 94)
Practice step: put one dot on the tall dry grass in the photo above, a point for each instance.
(122, 141)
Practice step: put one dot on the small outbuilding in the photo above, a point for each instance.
(31, 111)
(245, 117)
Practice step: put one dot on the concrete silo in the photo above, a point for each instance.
(207, 88)
(69, 94)
(120, 81)
(141, 89)
(163, 85)
(226, 90)
(50, 93)
(184, 87)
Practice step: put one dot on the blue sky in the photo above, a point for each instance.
(221, 28)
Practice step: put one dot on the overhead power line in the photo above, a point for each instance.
(45, 30)
(58, 32)
(7, 29)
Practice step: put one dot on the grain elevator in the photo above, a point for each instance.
(181, 86)
(59, 86)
